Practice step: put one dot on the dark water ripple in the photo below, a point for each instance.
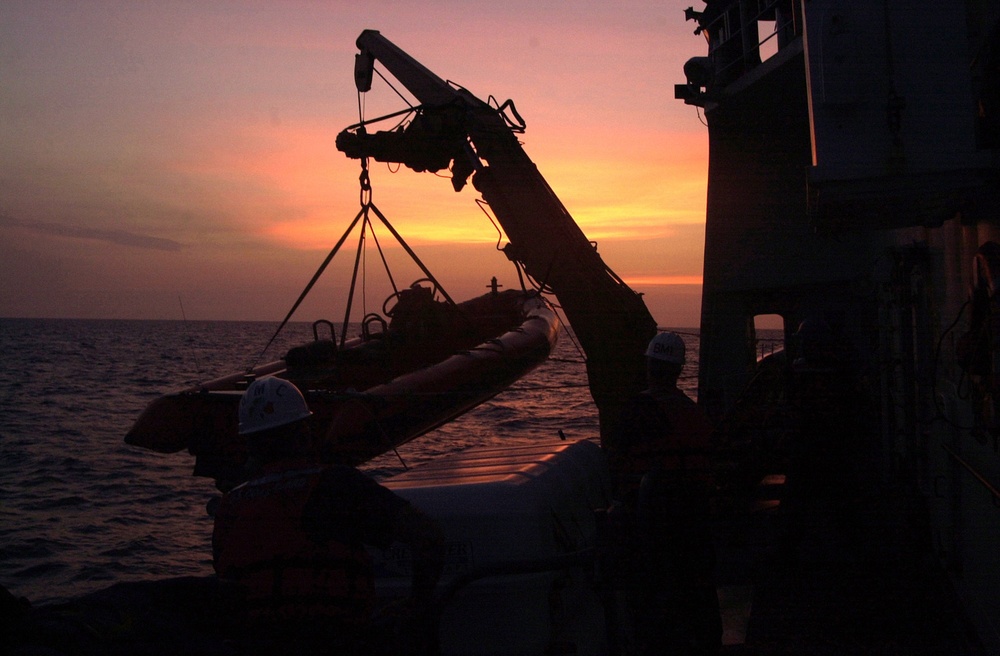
(39, 569)
(79, 509)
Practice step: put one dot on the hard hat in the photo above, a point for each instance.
(270, 403)
(668, 347)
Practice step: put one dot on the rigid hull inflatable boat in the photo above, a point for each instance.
(399, 379)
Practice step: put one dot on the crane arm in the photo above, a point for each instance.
(453, 128)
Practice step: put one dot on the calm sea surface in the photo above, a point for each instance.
(80, 509)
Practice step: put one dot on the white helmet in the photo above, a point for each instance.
(668, 347)
(270, 403)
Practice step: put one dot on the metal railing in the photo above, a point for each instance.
(734, 33)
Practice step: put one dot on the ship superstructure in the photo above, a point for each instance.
(853, 177)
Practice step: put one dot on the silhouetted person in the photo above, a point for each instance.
(293, 538)
(660, 460)
(824, 479)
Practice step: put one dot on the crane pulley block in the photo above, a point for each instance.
(428, 143)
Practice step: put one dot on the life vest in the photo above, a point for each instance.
(670, 435)
(259, 542)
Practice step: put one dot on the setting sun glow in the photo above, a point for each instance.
(161, 150)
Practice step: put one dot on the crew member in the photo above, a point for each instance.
(829, 469)
(293, 536)
(660, 460)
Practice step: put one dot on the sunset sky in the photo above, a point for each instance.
(168, 160)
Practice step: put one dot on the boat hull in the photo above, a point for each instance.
(376, 393)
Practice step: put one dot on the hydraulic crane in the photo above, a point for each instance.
(454, 129)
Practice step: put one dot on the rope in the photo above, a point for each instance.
(309, 286)
(367, 206)
(385, 263)
(354, 277)
(572, 337)
(409, 251)
(483, 205)
(386, 80)
(979, 476)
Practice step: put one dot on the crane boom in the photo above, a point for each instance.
(453, 128)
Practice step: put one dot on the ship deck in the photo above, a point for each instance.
(847, 574)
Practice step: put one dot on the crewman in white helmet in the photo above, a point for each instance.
(293, 537)
(660, 457)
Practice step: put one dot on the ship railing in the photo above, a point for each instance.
(746, 33)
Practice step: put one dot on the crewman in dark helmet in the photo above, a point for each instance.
(826, 462)
(660, 458)
(293, 537)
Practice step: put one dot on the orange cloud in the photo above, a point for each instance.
(651, 280)
(280, 179)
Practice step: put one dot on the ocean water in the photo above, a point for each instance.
(81, 510)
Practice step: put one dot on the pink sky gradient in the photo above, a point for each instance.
(156, 151)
